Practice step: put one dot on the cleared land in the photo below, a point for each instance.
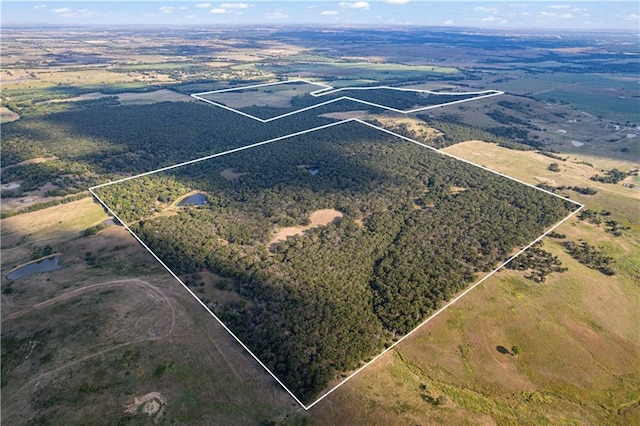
(274, 101)
(162, 95)
(317, 218)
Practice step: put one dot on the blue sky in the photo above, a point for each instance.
(497, 14)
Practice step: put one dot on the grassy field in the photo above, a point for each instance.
(612, 106)
(22, 233)
(532, 168)
(149, 341)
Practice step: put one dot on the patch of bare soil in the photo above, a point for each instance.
(318, 218)
(547, 181)
(151, 404)
(229, 174)
(457, 189)
(345, 115)
(7, 116)
(162, 95)
(36, 160)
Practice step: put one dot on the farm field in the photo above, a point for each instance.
(552, 341)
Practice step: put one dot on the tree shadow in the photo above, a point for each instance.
(503, 350)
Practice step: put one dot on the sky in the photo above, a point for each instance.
(535, 14)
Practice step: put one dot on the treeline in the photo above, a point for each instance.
(453, 131)
(96, 145)
(69, 177)
(596, 218)
(611, 176)
(538, 262)
(321, 303)
(44, 205)
(590, 256)
(584, 190)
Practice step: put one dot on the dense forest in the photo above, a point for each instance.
(416, 228)
(84, 147)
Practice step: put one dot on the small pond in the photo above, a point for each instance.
(46, 264)
(198, 199)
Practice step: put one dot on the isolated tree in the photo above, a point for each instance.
(554, 167)
(515, 350)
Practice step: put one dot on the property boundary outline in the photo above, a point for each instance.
(327, 90)
(444, 307)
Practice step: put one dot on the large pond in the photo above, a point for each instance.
(193, 200)
(45, 265)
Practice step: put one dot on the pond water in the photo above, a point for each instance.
(193, 200)
(45, 265)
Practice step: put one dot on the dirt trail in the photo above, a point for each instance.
(74, 293)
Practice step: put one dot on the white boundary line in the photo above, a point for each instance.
(195, 296)
(326, 90)
(435, 314)
(220, 154)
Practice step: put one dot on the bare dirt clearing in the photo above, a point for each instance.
(7, 116)
(345, 115)
(318, 218)
(151, 404)
(229, 174)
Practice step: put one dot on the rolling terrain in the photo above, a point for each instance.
(111, 337)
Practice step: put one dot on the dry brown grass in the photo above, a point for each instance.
(318, 218)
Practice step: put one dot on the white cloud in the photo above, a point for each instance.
(525, 14)
(191, 16)
(276, 15)
(218, 11)
(356, 5)
(489, 19)
(40, 6)
(329, 12)
(554, 15)
(70, 13)
(448, 22)
(166, 9)
(396, 1)
(203, 5)
(486, 9)
(234, 6)
(62, 10)
(183, 8)
(559, 6)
